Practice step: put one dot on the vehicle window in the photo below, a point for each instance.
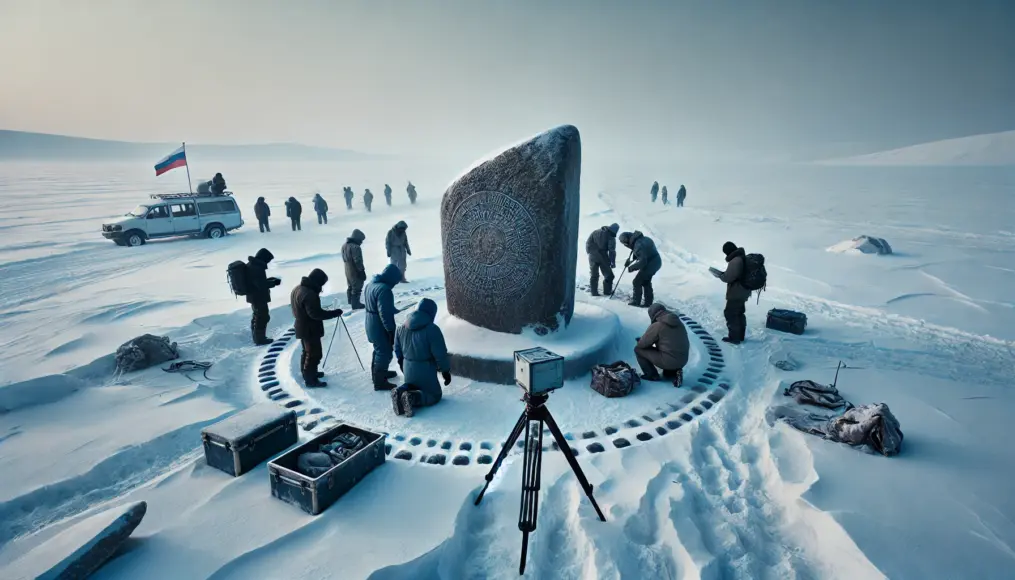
(158, 212)
(138, 211)
(210, 207)
(183, 210)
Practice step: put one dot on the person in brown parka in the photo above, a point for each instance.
(664, 345)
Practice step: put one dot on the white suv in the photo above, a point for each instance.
(176, 214)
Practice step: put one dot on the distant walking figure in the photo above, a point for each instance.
(681, 194)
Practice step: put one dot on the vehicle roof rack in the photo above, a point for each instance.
(189, 195)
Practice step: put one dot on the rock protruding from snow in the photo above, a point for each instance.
(863, 245)
(81, 549)
(145, 351)
(510, 235)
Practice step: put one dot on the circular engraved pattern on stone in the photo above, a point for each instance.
(493, 245)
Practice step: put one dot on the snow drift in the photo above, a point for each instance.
(862, 245)
(989, 149)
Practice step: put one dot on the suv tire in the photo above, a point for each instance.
(215, 231)
(134, 239)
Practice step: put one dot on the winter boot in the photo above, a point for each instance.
(731, 340)
(396, 401)
(676, 376)
(391, 374)
(635, 297)
(410, 400)
(348, 297)
(608, 288)
(594, 290)
(654, 377)
(649, 295)
(594, 283)
(356, 304)
(314, 383)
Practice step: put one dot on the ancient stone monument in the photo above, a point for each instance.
(509, 229)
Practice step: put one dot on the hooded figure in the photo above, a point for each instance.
(411, 191)
(368, 199)
(293, 210)
(397, 245)
(646, 261)
(736, 295)
(380, 324)
(309, 318)
(218, 184)
(663, 345)
(422, 354)
(348, 197)
(602, 250)
(355, 273)
(261, 212)
(321, 208)
(681, 194)
(387, 194)
(259, 294)
(655, 191)
(665, 195)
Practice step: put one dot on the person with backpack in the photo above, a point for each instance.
(654, 191)
(380, 325)
(368, 199)
(387, 194)
(355, 273)
(321, 208)
(422, 354)
(602, 250)
(646, 261)
(261, 212)
(249, 280)
(396, 243)
(293, 210)
(681, 194)
(744, 274)
(664, 345)
(348, 197)
(309, 317)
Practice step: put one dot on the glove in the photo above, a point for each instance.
(447, 378)
(336, 313)
(631, 269)
(627, 263)
(401, 361)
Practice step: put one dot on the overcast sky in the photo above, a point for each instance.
(458, 76)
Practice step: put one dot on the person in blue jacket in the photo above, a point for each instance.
(380, 324)
(422, 354)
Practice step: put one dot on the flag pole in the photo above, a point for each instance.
(187, 162)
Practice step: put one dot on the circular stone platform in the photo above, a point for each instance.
(468, 427)
(488, 356)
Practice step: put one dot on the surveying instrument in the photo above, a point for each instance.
(538, 372)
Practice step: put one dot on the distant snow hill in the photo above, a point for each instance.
(989, 149)
(18, 145)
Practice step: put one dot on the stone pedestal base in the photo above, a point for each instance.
(484, 355)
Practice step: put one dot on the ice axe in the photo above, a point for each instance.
(621, 277)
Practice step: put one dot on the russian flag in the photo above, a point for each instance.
(175, 159)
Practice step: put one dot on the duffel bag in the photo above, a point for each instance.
(786, 321)
(614, 380)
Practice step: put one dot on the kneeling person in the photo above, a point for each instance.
(663, 345)
(422, 354)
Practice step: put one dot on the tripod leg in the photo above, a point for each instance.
(522, 422)
(531, 468)
(565, 448)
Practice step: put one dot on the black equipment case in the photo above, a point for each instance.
(241, 442)
(314, 495)
(786, 321)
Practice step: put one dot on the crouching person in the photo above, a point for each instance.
(422, 355)
(664, 345)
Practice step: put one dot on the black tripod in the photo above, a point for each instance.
(536, 411)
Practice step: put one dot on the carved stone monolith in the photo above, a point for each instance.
(509, 228)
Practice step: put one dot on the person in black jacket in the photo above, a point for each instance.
(261, 212)
(309, 317)
(293, 210)
(259, 294)
(321, 208)
(218, 184)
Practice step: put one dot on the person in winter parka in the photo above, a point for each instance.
(664, 345)
(666, 196)
(368, 199)
(218, 184)
(262, 212)
(259, 287)
(736, 294)
(602, 250)
(348, 197)
(380, 325)
(396, 243)
(410, 190)
(309, 317)
(646, 261)
(422, 354)
(355, 273)
(681, 194)
(387, 194)
(654, 192)
(293, 210)
(321, 208)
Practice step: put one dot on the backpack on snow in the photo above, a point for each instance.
(236, 275)
(614, 380)
(755, 277)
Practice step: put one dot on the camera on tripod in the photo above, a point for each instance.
(538, 371)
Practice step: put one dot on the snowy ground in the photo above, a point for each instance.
(930, 330)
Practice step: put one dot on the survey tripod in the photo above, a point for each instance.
(536, 412)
